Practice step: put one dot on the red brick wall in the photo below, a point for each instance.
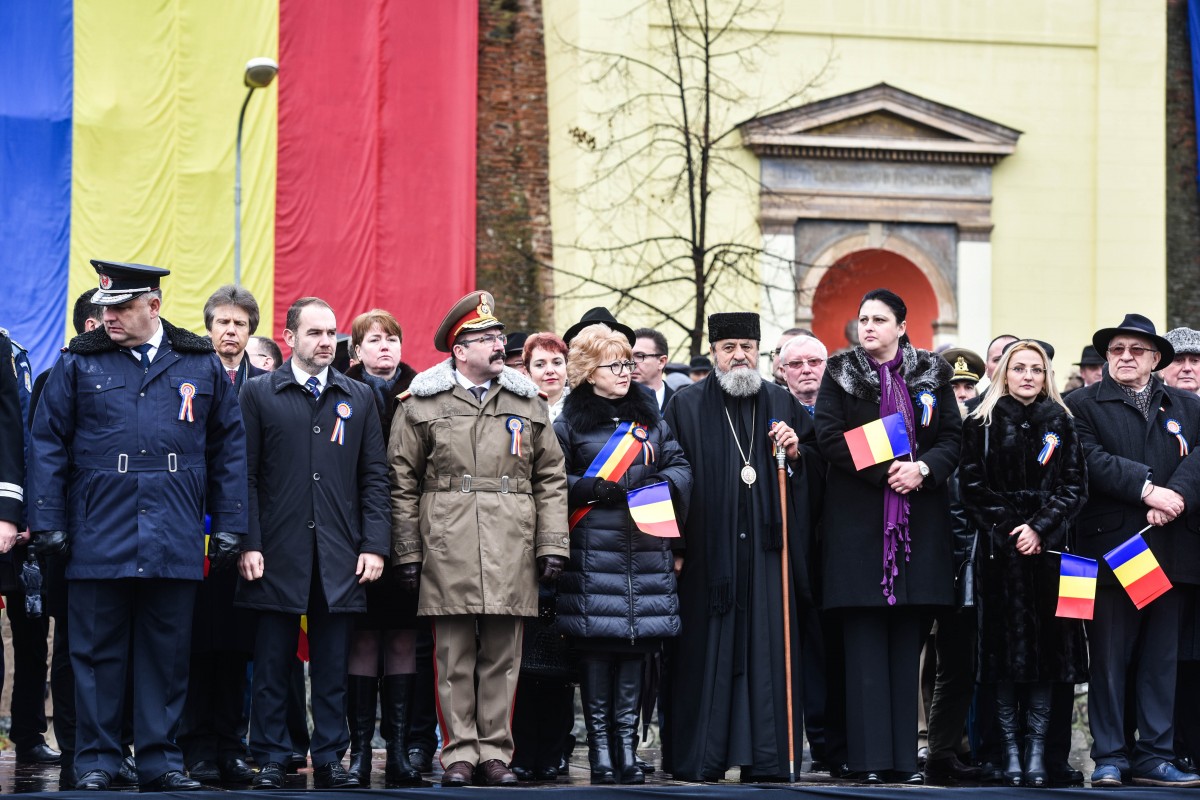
(513, 242)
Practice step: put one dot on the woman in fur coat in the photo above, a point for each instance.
(1023, 479)
(617, 597)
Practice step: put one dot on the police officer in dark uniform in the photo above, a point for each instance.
(12, 454)
(137, 433)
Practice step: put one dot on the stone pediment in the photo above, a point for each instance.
(881, 123)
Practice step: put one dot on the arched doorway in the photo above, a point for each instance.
(835, 302)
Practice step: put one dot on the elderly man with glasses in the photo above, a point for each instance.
(802, 359)
(479, 517)
(1137, 433)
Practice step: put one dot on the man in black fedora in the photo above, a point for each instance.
(1136, 432)
(1091, 366)
(595, 315)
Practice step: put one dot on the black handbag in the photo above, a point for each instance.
(546, 653)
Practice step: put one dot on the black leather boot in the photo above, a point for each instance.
(399, 694)
(360, 714)
(1037, 721)
(627, 694)
(1006, 715)
(595, 690)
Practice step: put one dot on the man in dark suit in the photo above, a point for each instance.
(138, 432)
(650, 359)
(222, 636)
(1133, 428)
(320, 526)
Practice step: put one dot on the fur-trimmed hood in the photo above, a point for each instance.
(440, 378)
(923, 371)
(585, 411)
(98, 341)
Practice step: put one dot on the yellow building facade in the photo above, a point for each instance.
(1009, 152)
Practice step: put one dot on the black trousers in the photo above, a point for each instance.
(274, 659)
(883, 652)
(954, 642)
(31, 651)
(116, 624)
(212, 714)
(422, 715)
(1133, 649)
(813, 684)
(543, 715)
(297, 708)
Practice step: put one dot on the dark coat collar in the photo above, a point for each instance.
(404, 376)
(1108, 390)
(181, 340)
(923, 371)
(281, 377)
(584, 411)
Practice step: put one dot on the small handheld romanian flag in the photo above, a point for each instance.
(1076, 587)
(1138, 571)
(651, 509)
(878, 441)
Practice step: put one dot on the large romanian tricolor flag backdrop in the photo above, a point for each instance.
(118, 122)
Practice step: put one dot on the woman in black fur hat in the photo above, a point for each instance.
(1023, 479)
(617, 597)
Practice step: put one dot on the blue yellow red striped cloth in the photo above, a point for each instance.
(878, 441)
(613, 459)
(652, 511)
(1077, 587)
(1138, 571)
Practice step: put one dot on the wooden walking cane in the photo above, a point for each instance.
(781, 463)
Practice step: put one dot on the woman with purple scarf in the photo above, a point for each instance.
(887, 543)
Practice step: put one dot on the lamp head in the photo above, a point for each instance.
(260, 72)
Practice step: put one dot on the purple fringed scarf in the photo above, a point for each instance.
(893, 398)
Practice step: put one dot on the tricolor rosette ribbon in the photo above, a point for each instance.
(515, 426)
(344, 412)
(639, 432)
(187, 391)
(928, 403)
(1174, 428)
(1050, 443)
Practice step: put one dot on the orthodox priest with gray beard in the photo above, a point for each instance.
(728, 682)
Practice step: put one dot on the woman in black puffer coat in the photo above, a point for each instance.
(617, 598)
(1023, 478)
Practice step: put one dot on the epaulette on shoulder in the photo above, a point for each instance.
(404, 395)
(543, 395)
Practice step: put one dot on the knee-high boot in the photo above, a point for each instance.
(1037, 721)
(399, 694)
(1006, 715)
(595, 690)
(360, 714)
(627, 693)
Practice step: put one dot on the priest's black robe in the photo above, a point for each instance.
(727, 678)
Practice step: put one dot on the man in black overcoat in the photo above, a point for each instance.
(320, 525)
(1136, 432)
(728, 682)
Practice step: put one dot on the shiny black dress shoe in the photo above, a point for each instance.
(841, 772)
(171, 781)
(205, 772)
(904, 777)
(523, 775)
(96, 780)
(127, 775)
(949, 771)
(421, 761)
(39, 754)
(234, 769)
(270, 776)
(870, 778)
(545, 774)
(1064, 775)
(334, 776)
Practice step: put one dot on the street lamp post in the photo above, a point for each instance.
(259, 74)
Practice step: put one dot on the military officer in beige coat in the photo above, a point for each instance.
(479, 505)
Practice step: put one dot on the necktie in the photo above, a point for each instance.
(479, 392)
(232, 373)
(313, 386)
(143, 350)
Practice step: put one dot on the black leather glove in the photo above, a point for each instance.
(49, 543)
(588, 491)
(223, 550)
(550, 567)
(408, 577)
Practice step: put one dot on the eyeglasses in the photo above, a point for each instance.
(488, 339)
(1035, 372)
(617, 367)
(812, 363)
(1135, 350)
(641, 357)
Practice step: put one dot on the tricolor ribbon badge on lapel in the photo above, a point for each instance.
(928, 404)
(643, 436)
(1174, 428)
(1050, 443)
(515, 425)
(187, 391)
(344, 411)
